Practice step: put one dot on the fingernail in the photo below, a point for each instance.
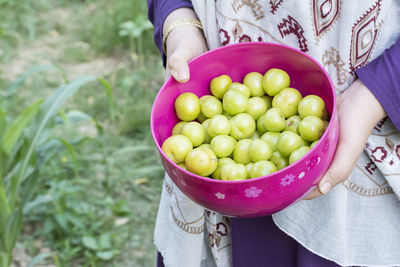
(325, 187)
(182, 75)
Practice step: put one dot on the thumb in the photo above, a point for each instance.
(177, 64)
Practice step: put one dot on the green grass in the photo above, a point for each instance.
(98, 210)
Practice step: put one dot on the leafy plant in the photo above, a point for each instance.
(109, 181)
(134, 30)
(25, 146)
(100, 28)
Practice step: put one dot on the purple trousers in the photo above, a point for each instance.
(259, 242)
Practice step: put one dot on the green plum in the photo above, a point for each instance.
(242, 126)
(234, 102)
(210, 106)
(288, 142)
(222, 161)
(177, 147)
(201, 161)
(219, 85)
(178, 127)
(311, 128)
(274, 81)
(279, 160)
(253, 80)
(256, 107)
(187, 106)
(272, 139)
(219, 125)
(292, 124)
(311, 105)
(223, 145)
(274, 120)
(287, 101)
(259, 150)
(298, 153)
(233, 172)
(241, 151)
(195, 132)
(241, 88)
(262, 168)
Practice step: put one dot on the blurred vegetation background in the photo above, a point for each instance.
(97, 197)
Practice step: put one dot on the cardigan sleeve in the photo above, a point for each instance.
(382, 77)
(158, 10)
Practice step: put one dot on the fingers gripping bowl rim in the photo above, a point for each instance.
(268, 194)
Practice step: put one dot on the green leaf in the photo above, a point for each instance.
(73, 116)
(77, 116)
(105, 255)
(62, 221)
(48, 110)
(48, 227)
(53, 103)
(76, 221)
(38, 201)
(14, 132)
(4, 213)
(121, 208)
(3, 157)
(29, 187)
(89, 242)
(146, 25)
(105, 241)
(12, 229)
(23, 177)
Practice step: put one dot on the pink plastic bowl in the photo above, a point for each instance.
(263, 195)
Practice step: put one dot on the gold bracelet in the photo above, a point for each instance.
(177, 24)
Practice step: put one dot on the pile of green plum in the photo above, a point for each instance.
(245, 130)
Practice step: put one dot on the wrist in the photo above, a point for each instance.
(177, 14)
(181, 23)
(360, 104)
(371, 103)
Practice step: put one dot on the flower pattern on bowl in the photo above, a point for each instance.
(287, 180)
(252, 191)
(314, 161)
(220, 195)
(301, 175)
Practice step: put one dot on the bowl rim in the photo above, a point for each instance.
(229, 46)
